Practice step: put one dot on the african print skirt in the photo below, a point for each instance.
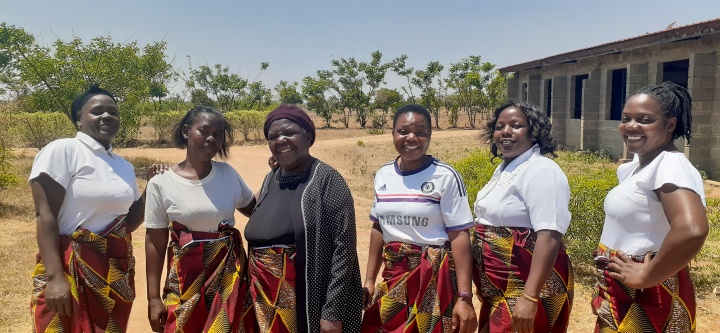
(502, 259)
(272, 285)
(417, 293)
(667, 307)
(100, 268)
(206, 286)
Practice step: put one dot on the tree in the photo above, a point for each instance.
(226, 88)
(313, 90)
(424, 80)
(158, 71)
(288, 92)
(400, 68)
(385, 100)
(468, 78)
(14, 42)
(354, 84)
(54, 76)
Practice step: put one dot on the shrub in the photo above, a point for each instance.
(37, 129)
(163, 122)
(6, 176)
(247, 122)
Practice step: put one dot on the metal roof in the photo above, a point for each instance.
(689, 31)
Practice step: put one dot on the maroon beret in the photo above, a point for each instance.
(293, 113)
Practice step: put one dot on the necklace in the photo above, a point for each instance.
(284, 179)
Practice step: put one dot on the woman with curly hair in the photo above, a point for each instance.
(523, 274)
(655, 221)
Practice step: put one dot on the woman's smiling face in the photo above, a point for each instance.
(411, 137)
(644, 127)
(512, 133)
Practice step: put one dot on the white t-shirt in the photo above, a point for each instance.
(530, 192)
(99, 184)
(198, 204)
(420, 206)
(635, 221)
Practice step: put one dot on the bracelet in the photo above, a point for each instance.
(530, 298)
(465, 294)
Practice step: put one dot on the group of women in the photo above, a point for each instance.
(301, 272)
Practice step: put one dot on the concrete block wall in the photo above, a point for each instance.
(637, 77)
(590, 111)
(610, 140)
(559, 106)
(701, 84)
(513, 87)
(533, 89)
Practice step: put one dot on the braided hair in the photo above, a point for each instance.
(539, 123)
(674, 101)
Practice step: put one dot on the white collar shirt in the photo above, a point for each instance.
(99, 184)
(529, 192)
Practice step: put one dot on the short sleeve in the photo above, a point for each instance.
(53, 160)
(155, 214)
(373, 212)
(245, 192)
(546, 194)
(133, 184)
(671, 168)
(454, 205)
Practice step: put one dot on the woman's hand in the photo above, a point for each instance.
(272, 163)
(523, 316)
(629, 272)
(58, 297)
(368, 293)
(463, 316)
(327, 326)
(157, 314)
(156, 169)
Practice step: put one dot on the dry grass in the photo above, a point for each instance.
(353, 152)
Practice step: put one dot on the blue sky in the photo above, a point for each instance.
(301, 36)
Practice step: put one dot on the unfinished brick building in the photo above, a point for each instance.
(584, 91)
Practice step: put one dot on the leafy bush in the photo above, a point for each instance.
(6, 175)
(590, 175)
(37, 129)
(130, 118)
(163, 122)
(247, 122)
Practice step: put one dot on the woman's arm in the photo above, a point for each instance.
(155, 245)
(48, 196)
(373, 264)
(543, 261)
(136, 213)
(464, 319)
(248, 210)
(688, 229)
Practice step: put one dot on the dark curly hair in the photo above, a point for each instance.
(540, 128)
(674, 101)
(414, 108)
(181, 141)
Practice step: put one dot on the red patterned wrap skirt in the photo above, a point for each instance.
(100, 269)
(502, 258)
(417, 293)
(666, 307)
(272, 286)
(206, 287)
